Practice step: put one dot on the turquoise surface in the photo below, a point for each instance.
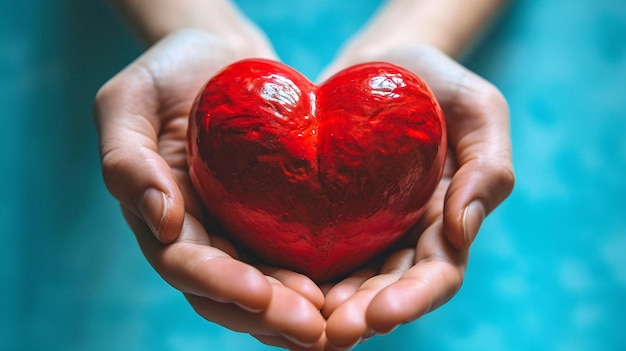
(547, 272)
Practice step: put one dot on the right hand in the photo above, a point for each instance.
(142, 116)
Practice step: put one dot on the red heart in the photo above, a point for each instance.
(319, 179)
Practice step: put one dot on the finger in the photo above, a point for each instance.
(192, 266)
(342, 291)
(288, 315)
(223, 245)
(432, 281)
(297, 282)
(133, 170)
(347, 325)
(478, 121)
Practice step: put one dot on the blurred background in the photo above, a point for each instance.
(547, 272)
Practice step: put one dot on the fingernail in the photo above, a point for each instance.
(473, 217)
(153, 207)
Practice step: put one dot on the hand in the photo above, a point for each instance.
(142, 116)
(427, 268)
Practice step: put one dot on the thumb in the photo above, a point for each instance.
(478, 128)
(133, 170)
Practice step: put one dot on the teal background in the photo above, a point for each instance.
(547, 272)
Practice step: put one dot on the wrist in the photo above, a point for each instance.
(448, 25)
(152, 20)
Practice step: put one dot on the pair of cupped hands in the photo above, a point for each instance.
(142, 116)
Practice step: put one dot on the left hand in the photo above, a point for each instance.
(142, 115)
(428, 267)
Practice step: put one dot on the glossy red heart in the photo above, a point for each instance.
(318, 179)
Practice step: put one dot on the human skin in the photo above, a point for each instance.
(142, 122)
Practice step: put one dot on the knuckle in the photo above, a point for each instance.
(112, 166)
(507, 179)
(103, 96)
(502, 179)
(487, 97)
